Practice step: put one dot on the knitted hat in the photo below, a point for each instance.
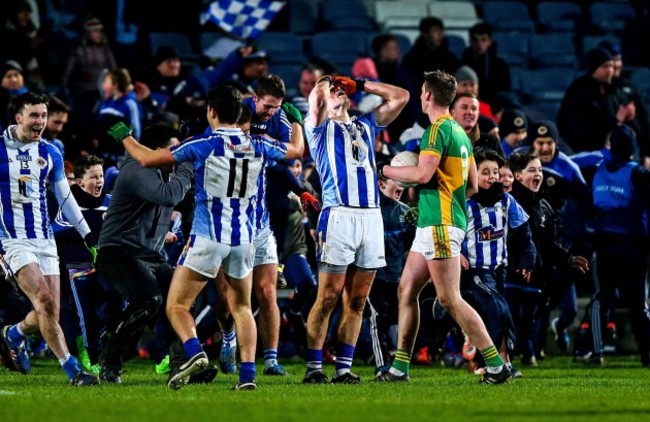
(512, 120)
(595, 57)
(164, 52)
(543, 129)
(10, 65)
(466, 73)
(613, 48)
(622, 142)
(93, 24)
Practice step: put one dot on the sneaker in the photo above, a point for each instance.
(346, 378)
(500, 377)
(561, 337)
(276, 370)
(516, 373)
(227, 359)
(84, 379)
(163, 367)
(203, 377)
(110, 375)
(250, 385)
(529, 361)
(390, 377)
(18, 355)
(197, 363)
(315, 377)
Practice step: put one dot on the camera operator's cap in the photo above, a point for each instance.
(258, 55)
(512, 120)
(93, 24)
(10, 65)
(543, 129)
(165, 52)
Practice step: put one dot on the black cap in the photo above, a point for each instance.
(164, 52)
(543, 129)
(595, 57)
(512, 120)
(622, 142)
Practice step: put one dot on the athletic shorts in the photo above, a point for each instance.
(266, 248)
(351, 236)
(20, 252)
(438, 242)
(206, 256)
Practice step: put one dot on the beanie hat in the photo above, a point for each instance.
(622, 142)
(613, 48)
(466, 73)
(595, 57)
(164, 52)
(10, 65)
(543, 129)
(512, 121)
(93, 24)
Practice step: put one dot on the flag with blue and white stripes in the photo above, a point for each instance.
(242, 18)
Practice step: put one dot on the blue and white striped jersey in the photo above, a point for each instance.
(345, 159)
(25, 171)
(227, 165)
(487, 231)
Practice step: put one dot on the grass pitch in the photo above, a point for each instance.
(556, 390)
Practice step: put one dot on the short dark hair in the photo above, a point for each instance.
(461, 95)
(84, 162)
(57, 105)
(487, 154)
(518, 161)
(246, 115)
(29, 98)
(271, 85)
(442, 85)
(380, 41)
(121, 77)
(430, 22)
(226, 101)
(158, 135)
(482, 28)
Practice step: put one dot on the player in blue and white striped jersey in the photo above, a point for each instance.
(350, 228)
(227, 166)
(27, 164)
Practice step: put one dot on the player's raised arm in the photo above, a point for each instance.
(318, 100)
(146, 156)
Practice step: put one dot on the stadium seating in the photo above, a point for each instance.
(391, 14)
(550, 50)
(283, 47)
(611, 16)
(554, 16)
(508, 16)
(346, 15)
(456, 14)
(181, 42)
(514, 49)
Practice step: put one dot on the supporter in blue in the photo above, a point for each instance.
(526, 296)
(130, 244)
(229, 242)
(168, 93)
(495, 222)
(566, 191)
(621, 192)
(118, 105)
(513, 128)
(430, 51)
(350, 247)
(482, 56)
(242, 68)
(592, 105)
(382, 305)
(27, 239)
(87, 293)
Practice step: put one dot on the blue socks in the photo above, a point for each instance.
(344, 354)
(15, 335)
(314, 360)
(247, 372)
(270, 358)
(192, 347)
(71, 367)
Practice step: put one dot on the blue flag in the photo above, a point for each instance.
(242, 18)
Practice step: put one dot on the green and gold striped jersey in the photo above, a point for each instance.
(442, 200)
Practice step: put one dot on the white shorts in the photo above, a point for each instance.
(20, 252)
(206, 256)
(351, 236)
(438, 242)
(266, 247)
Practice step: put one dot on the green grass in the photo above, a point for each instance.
(556, 390)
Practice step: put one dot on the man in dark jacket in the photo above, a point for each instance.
(130, 244)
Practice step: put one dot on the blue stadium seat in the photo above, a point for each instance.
(290, 74)
(346, 14)
(341, 48)
(180, 41)
(545, 85)
(641, 77)
(554, 16)
(456, 44)
(283, 47)
(301, 17)
(513, 48)
(611, 16)
(551, 50)
(508, 16)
